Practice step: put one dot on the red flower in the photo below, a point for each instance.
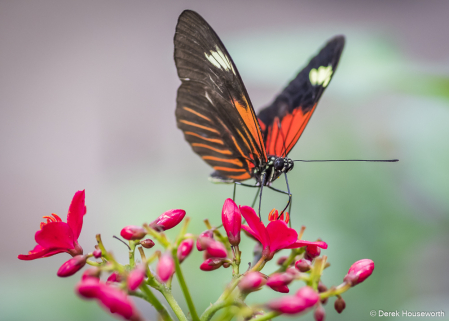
(279, 281)
(213, 263)
(252, 281)
(72, 266)
(305, 298)
(56, 236)
(274, 216)
(132, 232)
(184, 249)
(165, 267)
(232, 221)
(276, 236)
(136, 277)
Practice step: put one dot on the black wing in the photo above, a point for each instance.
(213, 108)
(284, 120)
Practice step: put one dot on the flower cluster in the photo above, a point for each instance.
(305, 263)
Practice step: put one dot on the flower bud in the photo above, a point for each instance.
(165, 267)
(168, 220)
(303, 265)
(132, 232)
(147, 243)
(308, 294)
(117, 302)
(114, 277)
(312, 251)
(212, 264)
(280, 288)
(322, 288)
(320, 313)
(72, 266)
(136, 277)
(216, 249)
(232, 221)
(281, 260)
(88, 288)
(202, 240)
(226, 265)
(339, 305)
(97, 253)
(184, 249)
(92, 272)
(279, 279)
(359, 271)
(293, 271)
(252, 281)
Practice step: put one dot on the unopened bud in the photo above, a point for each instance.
(303, 265)
(72, 266)
(281, 260)
(92, 272)
(97, 253)
(232, 221)
(165, 267)
(339, 305)
(184, 249)
(320, 313)
(203, 238)
(136, 277)
(312, 251)
(216, 249)
(322, 288)
(252, 281)
(212, 264)
(88, 288)
(168, 220)
(132, 232)
(114, 277)
(147, 243)
(359, 272)
(308, 294)
(279, 281)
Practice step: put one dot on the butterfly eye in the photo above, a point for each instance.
(279, 164)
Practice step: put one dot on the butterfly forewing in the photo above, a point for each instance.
(283, 122)
(213, 108)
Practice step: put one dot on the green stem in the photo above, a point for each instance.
(259, 265)
(183, 284)
(336, 291)
(266, 316)
(212, 309)
(173, 304)
(150, 297)
(132, 246)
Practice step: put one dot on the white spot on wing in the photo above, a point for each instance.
(208, 98)
(220, 60)
(321, 76)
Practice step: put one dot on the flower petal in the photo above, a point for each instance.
(281, 235)
(256, 225)
(39, 252)
(250, 232)
(75, 215)
(55, 235)
(301, 243)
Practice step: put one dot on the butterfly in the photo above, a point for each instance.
(216, 115)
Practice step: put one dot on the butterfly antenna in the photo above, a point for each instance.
(347, 160)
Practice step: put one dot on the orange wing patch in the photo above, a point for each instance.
(282, 135)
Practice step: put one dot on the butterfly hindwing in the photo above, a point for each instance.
(213, 108)
(283, 122)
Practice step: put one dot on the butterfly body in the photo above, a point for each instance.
(216, 115)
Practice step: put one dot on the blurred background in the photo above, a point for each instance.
(87, 100)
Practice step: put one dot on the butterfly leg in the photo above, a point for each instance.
(260, 195)
(255, 198)
(290, 197)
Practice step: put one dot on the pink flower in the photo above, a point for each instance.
(132, 232)
(184, 249)
(203, 238)
(72, 266)
(92, 272)
(276, 236)
(115, 300)
(305, 298)
(168, 220)
(279, 281)
(359, 271)
(56, 236)
(97, 253)
(136, 277)
(165, 267)
(252, 281)
(303, 265)
(232, 221)
(212, 264)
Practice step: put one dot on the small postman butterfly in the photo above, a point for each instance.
(216, 115)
